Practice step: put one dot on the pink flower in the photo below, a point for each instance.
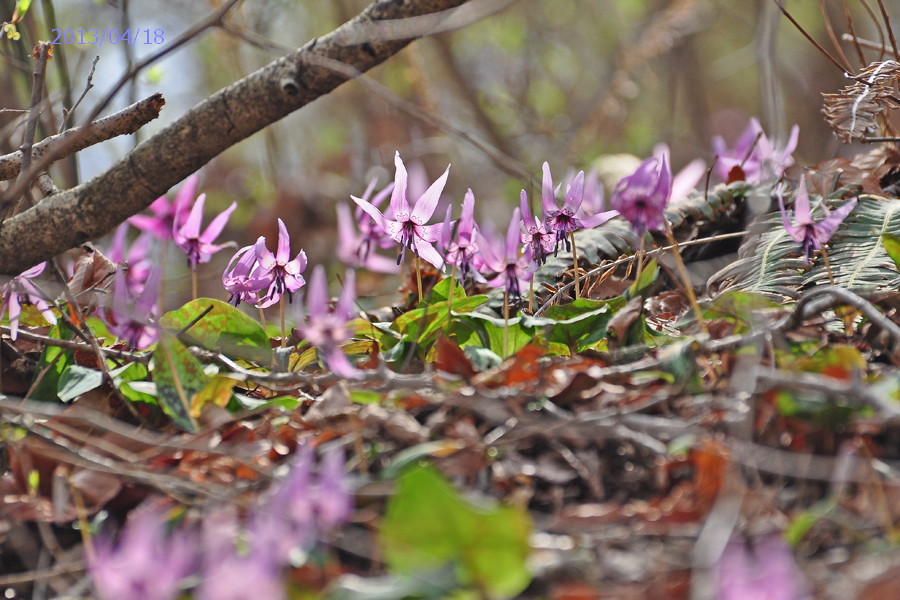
(239, 279)
(643, 196)
(146, 564)
(765, 571)
(327, 329)
(199, 247)
(136, 259)
(133, 320)
(278, 271)
(754, 158)
(807, 232)
(510, 269)
(564, 220)
(355, 248)
(408, 227)
(536, 237)
(21, 286)
(463, 252)
(161, 223)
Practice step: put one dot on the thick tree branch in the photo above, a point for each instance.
(124, 122)
(225, 118)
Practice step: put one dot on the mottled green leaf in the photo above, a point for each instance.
(220, 327)
(178, 377)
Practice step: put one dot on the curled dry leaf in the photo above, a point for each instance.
(853, 112)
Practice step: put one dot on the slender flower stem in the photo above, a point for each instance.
(505, 323)
(262, 317)
(450, 293)
(419, 278)
(827, 265)
(281, 314)
(575, 264)
(531, 296)
(686, 280)
(194, 282)
(639, 258)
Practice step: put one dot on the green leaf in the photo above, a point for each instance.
(519, 331)
(421, 325)
(179, 376)
(77, 380)
(892, 247)
(222, 329)
(54, 361)
(427, 524)
(441, 291)
(22, 7)
(648, 276)
(582, 323)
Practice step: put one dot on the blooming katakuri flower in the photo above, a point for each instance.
(136, 259)
(536, 237)
(767, 571)
(754, 158)
(278, 272)
(355, 248)
(161, 223)
(643, 196)
(199, 247)
(685, 181)
(302, 508)
(503, 259)
(21, 286)
(806, 231)
(133, 320)
(464, 251)
(408, 225)
(562, 221)
(327, 329)
(239, 280)
(238, 576)
(146, 564)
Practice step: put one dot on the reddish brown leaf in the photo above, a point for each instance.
(451, 359)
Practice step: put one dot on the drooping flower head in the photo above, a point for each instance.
(304, 507)
(536, 237)
(132, 319)
(161, 223)
(562, 221)
(408, 225)
(806, 231)
(278, 272)
(146, 564)
(643, 196)
(18, 286)
(136, 257)
(502, 258)
(199, 247)
(463, 252)
(239, 277)
(754, 158)
(326, 329)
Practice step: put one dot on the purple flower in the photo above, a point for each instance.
(754, 158)
(278, 271)
(327, 329)
(767, 571)
(563, 221)
(161, 223)
(464, 251)
(131, 320)
(146, 564)
(242, 577)
(355, 248)
(239, 280)
(198, 246)
(21, 286)
(807, 232)
(408, 226)
(686, 180)
(303, 508)
(643, 196)
(503, 259)
(136, 259)
(535, 236)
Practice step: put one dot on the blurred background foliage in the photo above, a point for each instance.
(563, 81)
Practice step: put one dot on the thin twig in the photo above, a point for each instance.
(819, 47)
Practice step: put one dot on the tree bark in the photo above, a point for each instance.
(97, 206)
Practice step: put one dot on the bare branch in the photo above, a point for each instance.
(225, 118)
